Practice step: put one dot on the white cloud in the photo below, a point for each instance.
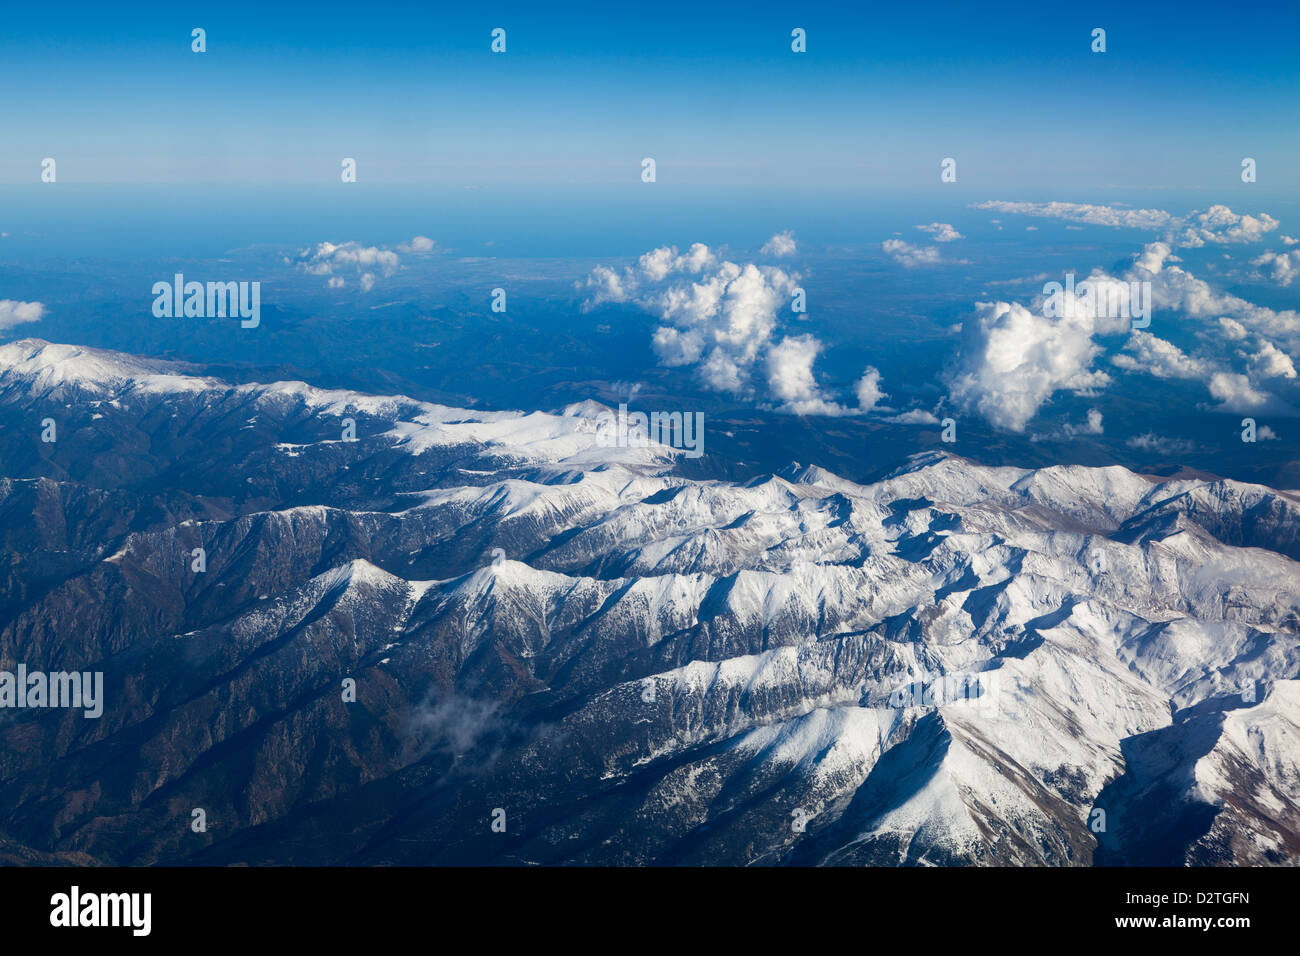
(1013, 360)
(1218, 224)
(326, 257)
(1092, 425)
(1221, 225)
(1271, 362)
(868, 389)
(915, 416)
(782, 244)
(791, 381)
(660, 263)
(1233, 330)
(722, 319)
(941, 232)
(1161, 445)
(419, 245)
(1175, 289)
(1154, 256)
(910, 256)
(605, 285)
(368, 262)
(1236, 394)
(1159, 358)
(1084, 213)
(14, 313)
(1281, 267)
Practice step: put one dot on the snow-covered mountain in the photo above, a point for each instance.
(956, 664)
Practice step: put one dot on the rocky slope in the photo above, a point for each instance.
(615, 662)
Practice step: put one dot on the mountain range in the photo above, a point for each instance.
(364, 629)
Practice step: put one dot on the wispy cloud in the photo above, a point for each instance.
(1218, 225)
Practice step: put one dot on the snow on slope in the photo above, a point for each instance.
(776, 620)
(47, 370)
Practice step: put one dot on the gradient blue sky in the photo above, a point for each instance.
(711, 91)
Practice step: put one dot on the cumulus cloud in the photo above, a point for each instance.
(14, 313)
(1012, 361)
(1281, 267)
(1093, 426)
(1271, 362)
(910, 256)
(1232, 330)
(1235, 393)
(366, 262)
(941, 232)
(868, 389)
(1230, 320)
(604, 285)
(1175, 289)
(1013, 358)
(782, 244)
(325, 258)
(1154, 256)
(791, 380)
(420, 245)
(722, 319)
(1158, 358)
(1221, 225)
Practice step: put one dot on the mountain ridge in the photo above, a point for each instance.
(636, 665)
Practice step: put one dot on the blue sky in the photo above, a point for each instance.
(711, 91)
